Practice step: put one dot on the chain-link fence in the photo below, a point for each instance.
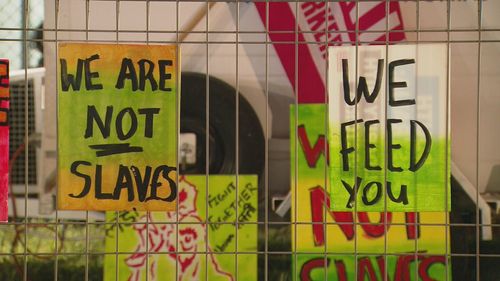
(254, 201)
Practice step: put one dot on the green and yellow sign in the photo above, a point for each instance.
(358, 245)
(181, 245)
(117, 127)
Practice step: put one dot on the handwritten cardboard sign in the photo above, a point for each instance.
(413, 244)
(4, 138)
(389, 128)
(117, 131)
(225, 205)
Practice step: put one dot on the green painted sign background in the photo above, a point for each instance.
(193, 262)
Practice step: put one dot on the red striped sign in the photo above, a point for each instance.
(4, 138)
(319, 23)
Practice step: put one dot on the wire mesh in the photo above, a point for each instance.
(231, 41)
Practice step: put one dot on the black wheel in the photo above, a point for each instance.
(222, 127)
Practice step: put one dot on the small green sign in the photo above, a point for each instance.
(177, 240)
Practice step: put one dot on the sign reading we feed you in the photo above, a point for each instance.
(388, 128)
(117, 128)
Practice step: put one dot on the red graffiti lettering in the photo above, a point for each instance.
(365, 267)
(312, 154)
(367, 271)
(412, 226)
(375, 230)
(319, 200)
(423, 269)
(307, 267)
(341, 272)
(381, 267)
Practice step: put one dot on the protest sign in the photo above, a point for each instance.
(388, 128)
(401, 245)
(4, 138)
(117, 127)
(197, 257)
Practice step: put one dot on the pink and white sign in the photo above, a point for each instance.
(318, 23)
(4, 138)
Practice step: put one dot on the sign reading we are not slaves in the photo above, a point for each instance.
(389, 148)
(117, 127)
